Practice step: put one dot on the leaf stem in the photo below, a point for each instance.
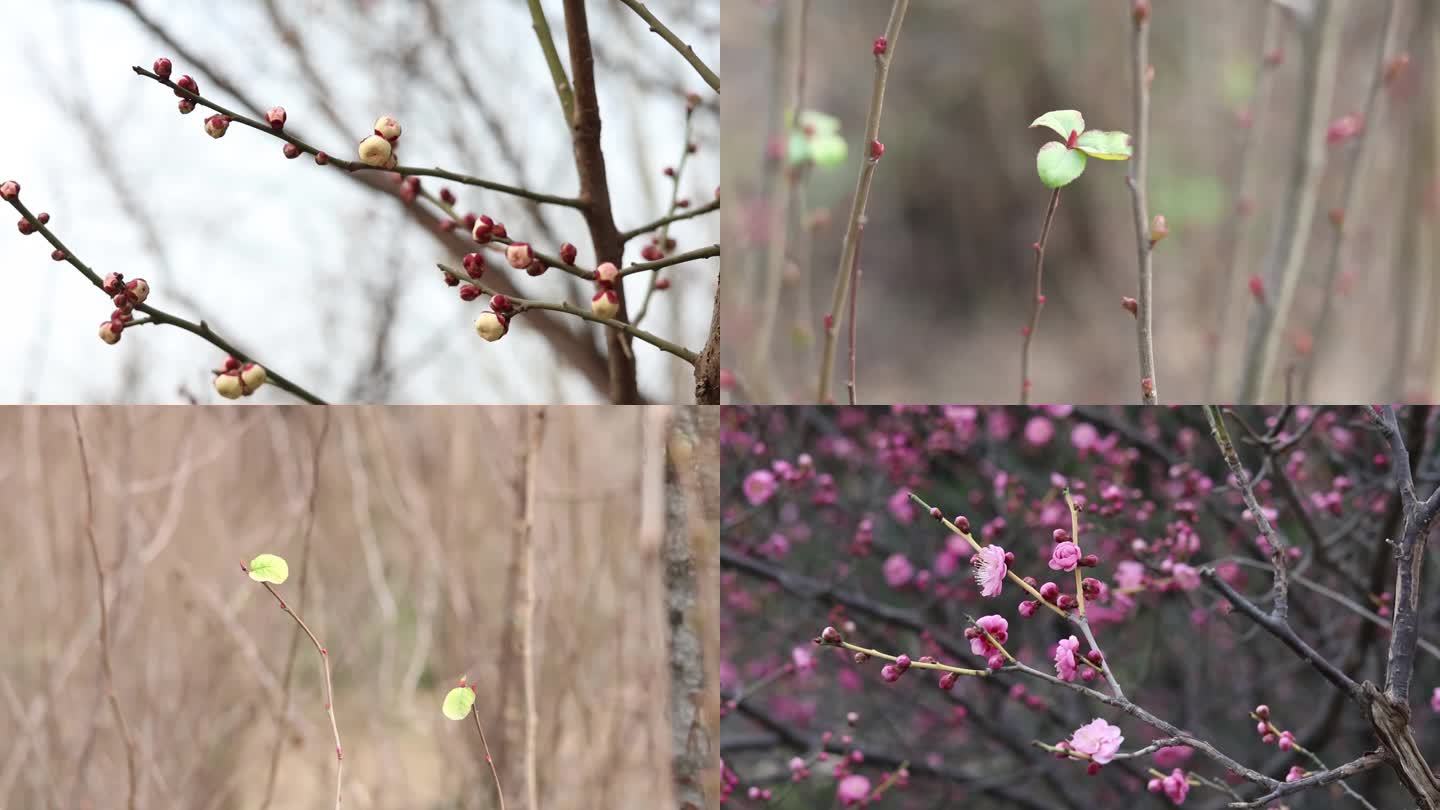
(1038, 302)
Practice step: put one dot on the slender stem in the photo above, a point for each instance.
(1307, 170)
(522, 304)
(1281, 588)
(1038, 303)
(158, 316)
(862, 194)
(329, 689)
(676, 173)
(1243, 204)
(357, 166)
(854, 294)
(105, 662)
(488, 759)
(1321, 331)
(916, 664)
(675, 42)
(552, 60)
(529, 464)
(708, 252)
(713, 205)
(1144, 315)
(1075, 538)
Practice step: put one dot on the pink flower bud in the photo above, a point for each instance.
(58, 255)
(605, 303)
(962, 523)
(880, 46)
(186, 106)
(877, 150)
(536, 268)
(387, 128)
(1049, 591)
(276, 118)
(492, 325)
(607, 273)
(137, 290)
(1028, 608)
(889, 673)
(110, 333)
(1130, 305)
(163, 67)
(375, 151)
(1257, 288)
(252, 376)
(114, 284)
(291, 151)
(1344, 128)
(500, 231)
(188, 84)
(228, 385)
(484, 229)
(519, 255)
(447, 196)
(948, 679)
(321, 158)
(995, 661)
(568, 253)
(830, 636)
(9, 190)
(1262, 711)
(216, 125)
(651, 253)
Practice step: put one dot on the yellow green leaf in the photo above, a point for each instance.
(1058, 166)
(458, 702)
(1063, 122)
(269, 568)
(1098, 143)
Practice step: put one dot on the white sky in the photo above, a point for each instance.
(283, 256)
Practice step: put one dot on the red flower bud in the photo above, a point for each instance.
(567, 253)
(188, 84)
(501, 303)
(1131, 305)
(162, 67)
(469, 292)
(474, 264)
(291, 151)
(9, 190)
(881, 46)
(276, 118)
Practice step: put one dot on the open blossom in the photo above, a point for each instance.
(901, 507)
(1039, 431)
(1295, 774)
(1435, 700)
(898, 571)
(1065, 556)
(759, 486)
(1185, 576)
(997, 627)
(1065, 662)
(852, 790)
(1097, 739)
(990, 569)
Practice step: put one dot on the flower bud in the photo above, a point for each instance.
(519, 255)
(58, 255)
(537, 268)
(43, 217)
(501, 303)
(137, 290)
(861, 657)
(1262, 711)
(252, 376)
(114, 284)
(291, 151)
(902, 662)
(880, 46)
(484, 229)
(276, 118)
(1028, 608)
(469, 292)
(375, 151)
(9, 190)
(947, 680)
(447, 196)
(387, 128)
(492, 325)
(962, 523)
(228, 385)
(1089, 561)
(321, 158)
(995, 661)
(607, 273)
(1066, 602)
(474, 264)
(1140, 11)
(450, 281)
(110, 332)
(889, 673)
(188, 84)
(1159, 229)
(830, 636)
(1060, 536)
(500, 231)
(1130, 305)
(605, 304)
(163, 67)
(651, 253)
(1049, 591)
(568, 253)
(186, 106)
(216, 125)
(25, 226)
(877, 150)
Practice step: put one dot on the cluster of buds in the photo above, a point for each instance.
(186, 83)
(378, 150)
(239, 379)
(522, 257)
(486, 230)
(657, 250)
(27, 227)
(125, 295)
(495, 322)
(1269, 733)
(606, 302)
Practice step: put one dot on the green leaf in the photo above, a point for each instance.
(1058, 166)
(828, 150)
(269, 568)
(1098, 143)
(458, 702)
(818, 123)
(1063, 122)
(798, 149)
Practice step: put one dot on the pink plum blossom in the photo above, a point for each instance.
(1186, 577)
(990, 569)
(1065, 661)
(1039, 431)
(1097, 739)
(852, 790)
(997, 627)
(898, 570)
(759, 486)
(901, 507)
(1176, 786)
(1435, 700)
(1065, 556)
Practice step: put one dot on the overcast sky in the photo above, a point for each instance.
(289, 259)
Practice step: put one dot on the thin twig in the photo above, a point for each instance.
(713, 205)
(563, 90)
(1144, 315)
(158, 316)
(1028, 333)
(529, 464)
(675, 42)
(854, 295)
(868, 163)
(1280, 588)
(488, 759)
(329, 690)
(105, 662)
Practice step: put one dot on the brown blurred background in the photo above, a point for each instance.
(411, 583)
(956, 202)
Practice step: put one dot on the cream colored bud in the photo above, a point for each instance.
(228, 385)
(519, 255)
(108, 333)
(375, 151)
(387, 128)
(605, 303)
(252, 376)
(491, 325)
(607, 273)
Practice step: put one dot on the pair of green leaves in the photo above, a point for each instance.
(815, 138)
(1059, 164)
